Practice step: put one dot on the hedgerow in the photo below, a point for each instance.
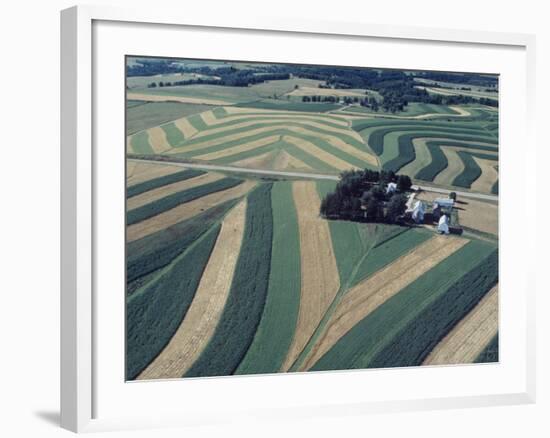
(158, 249)
(243, 309)
(155, 183)
(168, 202)
(154, 313)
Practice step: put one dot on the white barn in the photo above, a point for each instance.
(443, 225)
(392, 187)
(418, 212)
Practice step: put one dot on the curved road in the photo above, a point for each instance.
(323, 176)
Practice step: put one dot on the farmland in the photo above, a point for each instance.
(231, 271)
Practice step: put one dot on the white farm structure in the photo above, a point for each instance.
(443, 225)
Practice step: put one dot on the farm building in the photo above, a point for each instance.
(392, 187)
(444, 203)
(443, 225)
(418, 212)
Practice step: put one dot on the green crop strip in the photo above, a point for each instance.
(471, 170)
(151, 184)
(404, 329)
(140, 143)
(174, 136)
(168, 202)
(243, 309)
(276, 329)
(275, 124)
(158, 249)
(154, 313)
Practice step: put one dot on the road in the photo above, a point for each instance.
(216, 167)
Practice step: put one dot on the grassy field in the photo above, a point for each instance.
(214, 92)
(143, 115)
(288, 105)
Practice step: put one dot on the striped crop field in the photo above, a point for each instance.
(233, 276)
(461, 154)
(250, 137)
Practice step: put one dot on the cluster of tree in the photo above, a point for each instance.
(234, 78)
(460, 78)
(362, 195)
(332, 99)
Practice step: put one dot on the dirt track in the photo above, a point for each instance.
(320, 278)
(204, 313)
(469, 337)
(362, 299)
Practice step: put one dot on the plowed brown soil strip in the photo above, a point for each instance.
(320, 278)
(469, 337)
(158, 140)
(185, 211)
(167, 98)
(244, 147)
(145, 171)
(204, 313)
(362, 299)
(161, 192)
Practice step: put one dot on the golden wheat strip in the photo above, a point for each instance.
(161, 192)
(282, 121)
(365, 297)
(185, 211)
(238, 149)
(320, 278)
(186, 128)
(257, 161)
(319, 153)
(488, 176)
(465, 342)
(206, 309)
(146, 171)
(158, 140)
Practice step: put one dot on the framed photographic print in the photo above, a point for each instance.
(310, 208)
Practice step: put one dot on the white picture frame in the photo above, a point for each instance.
(82, 368)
